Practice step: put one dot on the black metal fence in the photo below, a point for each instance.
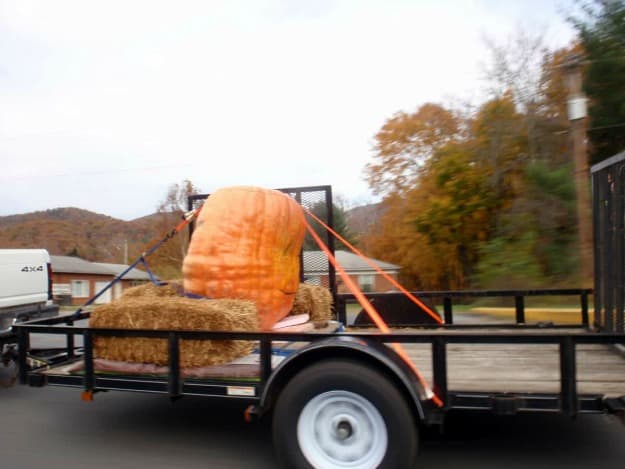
(608, 190)
(449, 297)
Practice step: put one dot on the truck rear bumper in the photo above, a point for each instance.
(18, 314)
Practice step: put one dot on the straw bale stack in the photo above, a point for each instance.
(313, 300)
(170, 288)
(152, 307)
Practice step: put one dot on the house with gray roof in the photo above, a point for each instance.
(75, 280)
(365, 276)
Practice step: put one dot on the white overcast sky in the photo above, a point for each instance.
(104, 104)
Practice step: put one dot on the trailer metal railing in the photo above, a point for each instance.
(448, 298)
(567, 401)
(608, 199)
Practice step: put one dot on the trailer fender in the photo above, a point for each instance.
(376, 355)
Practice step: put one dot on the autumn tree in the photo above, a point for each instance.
(405, 142)
(553, 126)
(167, 260)
(395, 239)
(470, 195)
(499, 135)
(534, 240)
(515, 70)
(426, 167)
(463, 209)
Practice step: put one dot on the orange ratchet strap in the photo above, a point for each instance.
(373, 314)
(388, 277)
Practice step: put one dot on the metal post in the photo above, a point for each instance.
(568, 385)
(173, 385)
(619, 253)
(265, 359)
(89, 380)
(519, 306)
(447, 309)
(23, 344)
(341, 310)
(598, 194)
(584, 300)
(330, 243)
(70, 341)
(439, 368)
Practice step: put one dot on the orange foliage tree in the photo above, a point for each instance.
(458, 191)
(444, 180)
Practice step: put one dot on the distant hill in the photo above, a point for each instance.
(101, 238)
(73, 231)
(361, 219)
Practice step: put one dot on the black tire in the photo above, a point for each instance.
(8, 373)
(326, 396)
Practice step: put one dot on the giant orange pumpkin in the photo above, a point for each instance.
(246, 245)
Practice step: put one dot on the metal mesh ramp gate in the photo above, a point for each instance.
(608, 190)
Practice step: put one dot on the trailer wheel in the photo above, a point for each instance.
(343, 414)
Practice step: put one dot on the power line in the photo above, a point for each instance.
(613, 126)
(622, 124)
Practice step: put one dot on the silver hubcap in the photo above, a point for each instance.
(342, 429)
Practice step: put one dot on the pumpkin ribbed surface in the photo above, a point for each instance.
(246, 246)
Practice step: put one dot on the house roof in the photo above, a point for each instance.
(317, 262)
(76, 265)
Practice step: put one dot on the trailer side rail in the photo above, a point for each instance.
(448, 298)
(568, 400)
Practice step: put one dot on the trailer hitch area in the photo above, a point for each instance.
(252, 413)
(8, 366)
(506, 404)
(616, 407)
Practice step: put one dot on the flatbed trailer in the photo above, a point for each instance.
(344, 397)
(498, 368)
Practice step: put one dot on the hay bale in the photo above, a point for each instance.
(171, 288)
(313, 300)
(303, 303)
(174, 313)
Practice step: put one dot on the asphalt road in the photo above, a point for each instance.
(52, 428)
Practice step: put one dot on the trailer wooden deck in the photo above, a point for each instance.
(525, 368)
(496, 368)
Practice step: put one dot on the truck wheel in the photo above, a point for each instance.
(8, 373)
(343, 414)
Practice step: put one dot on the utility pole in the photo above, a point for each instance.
(578, 123)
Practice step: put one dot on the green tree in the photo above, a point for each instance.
(339, 222)
(602, 32)
(535, 239)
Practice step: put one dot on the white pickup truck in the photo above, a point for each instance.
(25, 287)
